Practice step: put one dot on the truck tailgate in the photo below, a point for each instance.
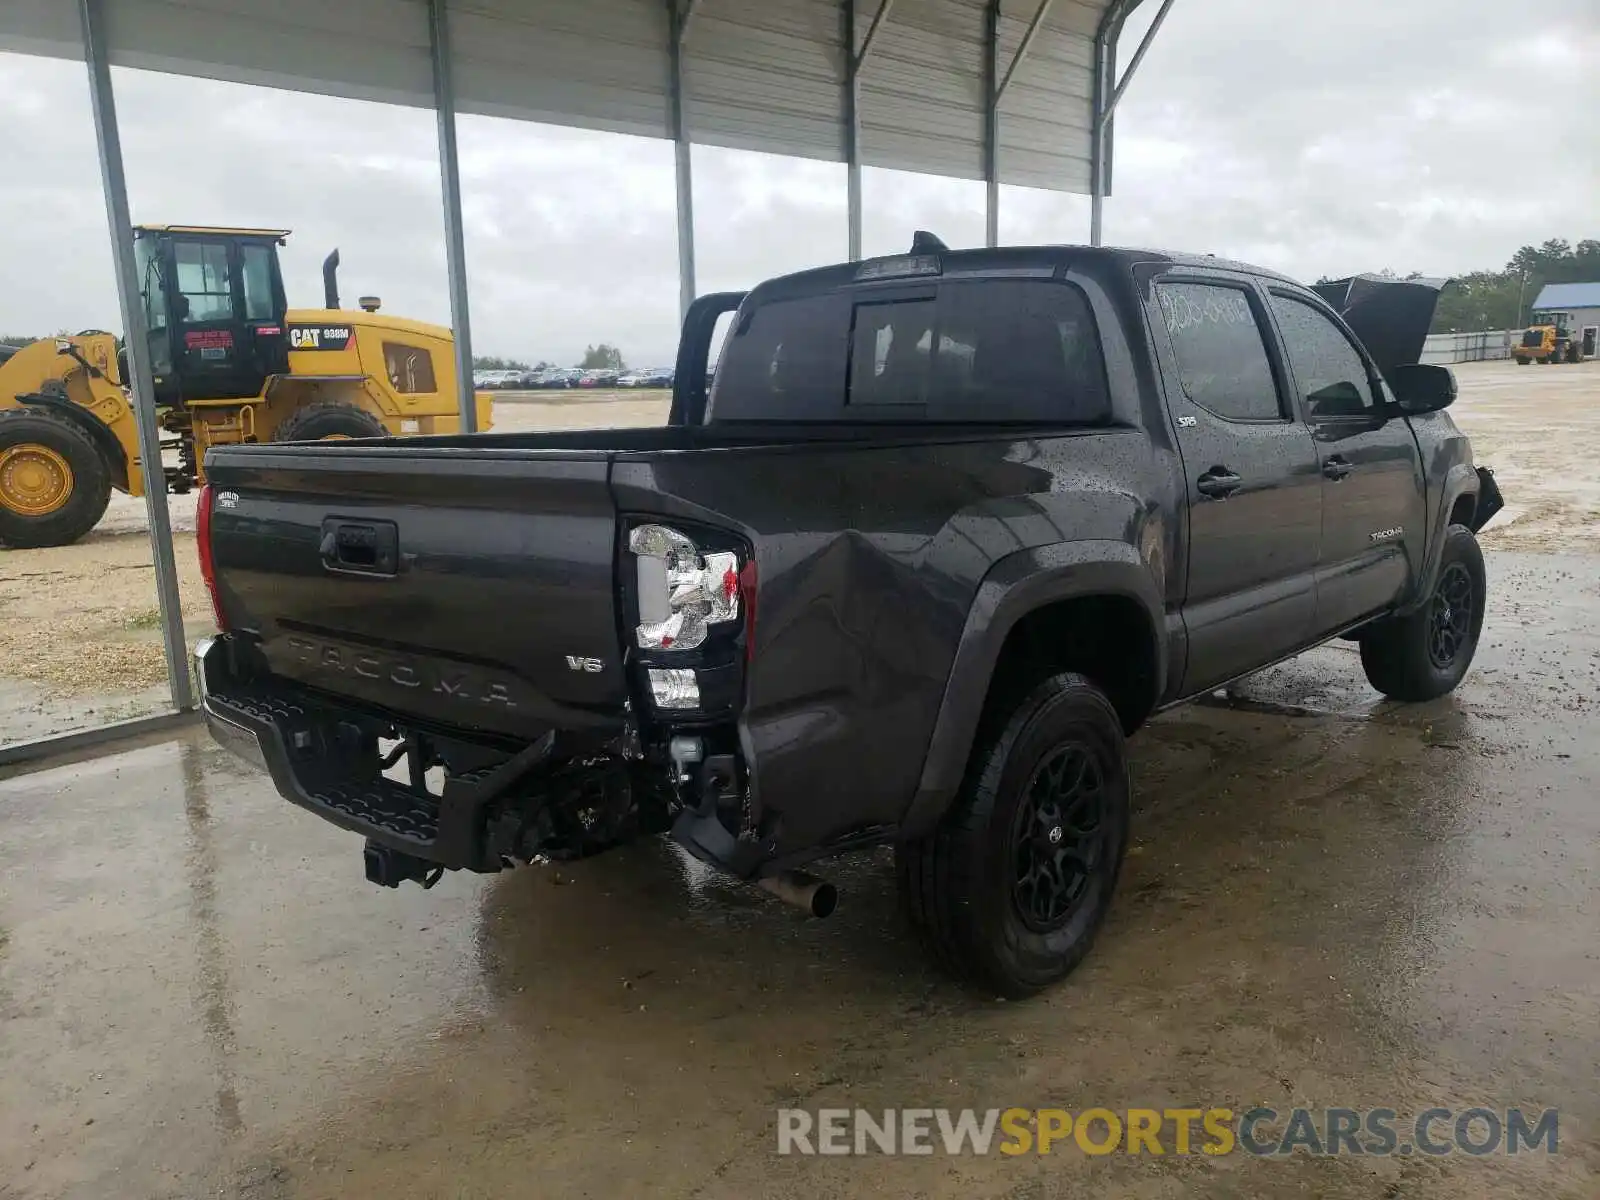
(469, 589)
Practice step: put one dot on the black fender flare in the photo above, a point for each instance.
(1015, 586)
(98, 433)
(1461, 480)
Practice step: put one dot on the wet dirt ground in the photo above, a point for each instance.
(1331, 901)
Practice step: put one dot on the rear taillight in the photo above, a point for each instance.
(681, 589)
(693, 600)
(208, 566)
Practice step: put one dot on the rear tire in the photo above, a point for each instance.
(329, 419)
(1424, 654)
(1011, 889)
(54, 484)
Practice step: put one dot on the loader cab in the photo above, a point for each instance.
(214, 305)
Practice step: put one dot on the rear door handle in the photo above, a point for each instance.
(1337, 467)
(1218, 483)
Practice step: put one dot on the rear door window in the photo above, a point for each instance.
(1220, 350)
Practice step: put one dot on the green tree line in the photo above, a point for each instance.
(1504, 299)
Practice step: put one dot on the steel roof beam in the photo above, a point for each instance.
(994, 86)
(1107, 92)
(854, 59)
(1138, 57)
(1039, 15)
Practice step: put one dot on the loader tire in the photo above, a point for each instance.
(54, 484)
(329, 420)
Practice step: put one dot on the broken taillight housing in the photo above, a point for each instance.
(681, 591)
(208, 565)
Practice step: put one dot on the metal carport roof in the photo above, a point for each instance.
(767, 75)
(1007, 91)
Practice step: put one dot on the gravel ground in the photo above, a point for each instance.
(80, 635)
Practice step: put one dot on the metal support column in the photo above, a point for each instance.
(679, 12)
(1099, 134)
(1108, 92)
(991, 124)
(455, 243)
(995, 86)
(137, 340)
(852, 131)
(854, 59)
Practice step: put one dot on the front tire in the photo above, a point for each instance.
(1424, 654)
(1011, 889)
(54, 484)
(327, 420)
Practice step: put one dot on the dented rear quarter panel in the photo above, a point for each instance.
(870, 558)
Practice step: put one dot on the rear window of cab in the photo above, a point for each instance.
(974, 351)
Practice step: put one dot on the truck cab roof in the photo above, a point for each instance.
(1008, 261)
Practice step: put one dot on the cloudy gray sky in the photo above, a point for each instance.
(1436, 135)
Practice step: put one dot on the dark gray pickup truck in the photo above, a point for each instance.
(945, 528)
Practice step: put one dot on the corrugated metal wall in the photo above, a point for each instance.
(759, 74)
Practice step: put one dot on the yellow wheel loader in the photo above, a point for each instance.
(231, 363)
(1551, 342)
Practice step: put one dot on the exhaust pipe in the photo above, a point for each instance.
(330, 280)
(803, 890)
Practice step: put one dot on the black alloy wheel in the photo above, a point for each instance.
(1058, 839)
(1450, 615)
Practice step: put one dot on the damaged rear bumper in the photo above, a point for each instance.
(325, 758)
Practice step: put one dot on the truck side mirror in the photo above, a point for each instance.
(1422, 387)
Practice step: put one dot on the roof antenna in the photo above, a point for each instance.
(923, 242)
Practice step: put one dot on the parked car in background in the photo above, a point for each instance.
(631, 379)
(600, 377)
(659, 377)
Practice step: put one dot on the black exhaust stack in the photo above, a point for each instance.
(330, 280)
